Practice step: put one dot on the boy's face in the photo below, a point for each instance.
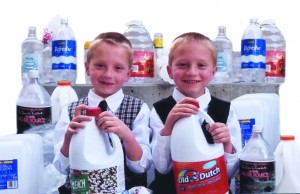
(108, 68)
(192, 68)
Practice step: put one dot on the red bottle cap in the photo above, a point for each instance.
(287, 137)
(93, 111)
(63, 83)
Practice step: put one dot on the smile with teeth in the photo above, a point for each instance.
(191, 81)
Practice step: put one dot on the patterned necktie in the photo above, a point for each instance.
(103, 105)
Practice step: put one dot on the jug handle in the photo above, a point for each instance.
(115, 140)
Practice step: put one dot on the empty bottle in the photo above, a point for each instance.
(257, 165)
(32, 55)
(253, 53)
(64, 61)
(47, 76)
(275, 52)
(223, 47)
(33, 104)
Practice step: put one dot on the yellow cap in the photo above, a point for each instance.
(87, 44)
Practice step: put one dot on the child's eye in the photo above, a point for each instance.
(200, 65)
(181, 65)
(100, 65)
(119, 67)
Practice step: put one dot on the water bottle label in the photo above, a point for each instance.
(64, 55)
(246, 129)
(222, 62)
(29, 61)
(257, 177)
(8, 174)
(143, 64)
(28, 117)
(253, 53)
(208, 176)
(275, 63)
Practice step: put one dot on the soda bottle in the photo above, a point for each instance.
(32, 55)
(143, 53)
(223, 47)
(253, 53)
(257, 165)
(275, 52)
(64, 61)
(33, 104)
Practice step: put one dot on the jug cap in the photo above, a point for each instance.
(93, 111)
(63, 83)
(287, 137)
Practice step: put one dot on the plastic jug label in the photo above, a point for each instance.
(29, 61)
(253, 53)
(208, 176)
(64, 55)
(143, 64)
(8, 174)
(94, 181)
(222, 60)
(257, 177)
(275, 63)
(246, 129)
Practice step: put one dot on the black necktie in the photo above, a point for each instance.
(103, 105)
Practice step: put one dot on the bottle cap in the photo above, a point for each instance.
(87, 44)
(33, 73)
(63, 83)
(93, 111)
(257, 128)
(64, 21)
(287, 137)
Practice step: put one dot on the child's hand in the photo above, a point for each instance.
(220, 134)
(184, 108)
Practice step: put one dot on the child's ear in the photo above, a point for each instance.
(215, 68)
(169, 69)
(87, 67)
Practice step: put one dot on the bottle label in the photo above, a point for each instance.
(8, 174)
(208, 176)
(143, 64)
(253, 54)
(105, 180)
(246, 129)
(28, 117)
(64, 55)
(29, 61)
(222, 61)
(275, 61)
(257, 177)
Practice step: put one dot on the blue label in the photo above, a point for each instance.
(253, 47)
(258, 65)
(8, 174)
(246, 129)
(64, 48)
(63, 66)
(222, 62)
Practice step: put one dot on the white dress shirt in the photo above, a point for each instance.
(140, 130)
(161, 151)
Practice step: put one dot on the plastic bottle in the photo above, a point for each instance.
(253, 53)
(199, 167)
(275, 52)
(143, 53)
(47, 77)
(32, 54)
(61, 96)
(93, 158)
(86, 47)
(33, 104)
(64, 61)
(223, 47)
(257, 165)
(287, 157)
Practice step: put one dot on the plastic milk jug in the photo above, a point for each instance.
(199, 167)
(97, 166)
(61, 96)
(21, 164)
(287, 157)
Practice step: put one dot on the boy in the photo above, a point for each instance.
(109, 61)
(192, 65)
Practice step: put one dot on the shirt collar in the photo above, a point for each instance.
(113, 101)
(203, 99)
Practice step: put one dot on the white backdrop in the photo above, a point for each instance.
(89, 18)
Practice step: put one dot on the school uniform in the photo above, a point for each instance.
(219, 110)
(133, 112)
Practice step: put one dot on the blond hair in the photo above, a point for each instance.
(192, 37)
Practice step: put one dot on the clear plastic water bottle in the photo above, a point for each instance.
(257, 165)
(143, 53)
(64, 61)
(33, 104)
(32, 55)
(275, 52)
(47, 77)
(223, 47)
(253, 53)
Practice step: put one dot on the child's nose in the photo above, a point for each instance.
(192, 70)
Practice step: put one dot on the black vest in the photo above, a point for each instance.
(217, 109)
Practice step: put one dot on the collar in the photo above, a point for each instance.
(113, 101)
(203, 99)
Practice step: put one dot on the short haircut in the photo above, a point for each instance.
(192, 37)
(113, 38)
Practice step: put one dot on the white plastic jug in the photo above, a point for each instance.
(96, 164)
(21, 164)
(287, 157)
(61, 96)
(199, 167)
